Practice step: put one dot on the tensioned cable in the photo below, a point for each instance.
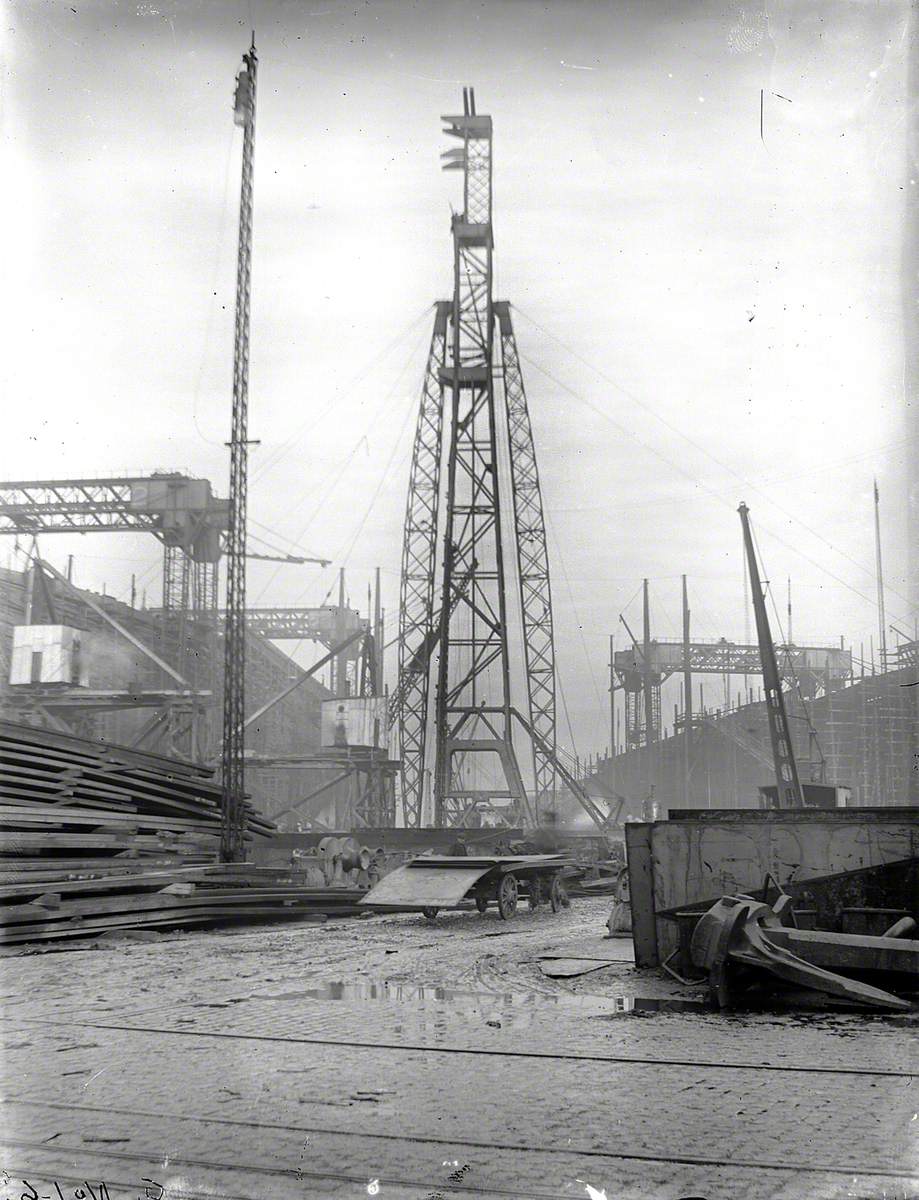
(696, 482)
(271, 460)
(701, 449)
(290, 547)
(385, 475)
(587, 657)
(328, 486)
(889, 448)
(367, 511)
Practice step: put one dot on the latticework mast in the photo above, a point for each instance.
(474, 758)
(232, 848)
(532, 563)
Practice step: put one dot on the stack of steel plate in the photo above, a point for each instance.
(96, 837)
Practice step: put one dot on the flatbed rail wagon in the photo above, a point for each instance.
(432, 883)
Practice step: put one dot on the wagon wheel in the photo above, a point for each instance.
(507, 897)
(558, 894)
(481, 903)
(430, 912)
(535, 895)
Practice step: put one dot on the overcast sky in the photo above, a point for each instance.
(706, 315)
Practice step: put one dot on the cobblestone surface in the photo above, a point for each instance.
(226, 1065)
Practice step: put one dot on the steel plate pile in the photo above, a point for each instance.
(96, 837)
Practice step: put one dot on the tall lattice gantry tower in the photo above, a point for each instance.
(475, 618)
(234, 678)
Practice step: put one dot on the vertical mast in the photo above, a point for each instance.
(790, 794)
(882, 616)
(473, 451)
(791, 640)
(419, 628)
(232, 848)
(648, 681)
(687, 697)
(473, 701)
(612, 699)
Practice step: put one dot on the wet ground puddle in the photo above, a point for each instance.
(515, 1008)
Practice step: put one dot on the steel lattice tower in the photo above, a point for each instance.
(474, 420)
(232, 848)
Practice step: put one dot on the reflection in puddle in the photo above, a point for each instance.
(517, 1008)
(434, 1010)
(643, 1004)
(407, 993)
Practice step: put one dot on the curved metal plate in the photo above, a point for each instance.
(413, 887)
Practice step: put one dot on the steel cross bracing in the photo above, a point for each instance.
(373, 799)
(474, 660)
(71, 505)
(419, 568)
(327, 625)
(533, 563)
(189, 628)
(813, 669)
(177, 509)
(469, 627)
(234, 716)
(826, 665)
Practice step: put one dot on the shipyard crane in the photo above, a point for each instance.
(190, 521)
(790, 792)
(473, 402)
(181, 512)
(232, 847)
(474, 549)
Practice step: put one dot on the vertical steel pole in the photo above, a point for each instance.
(687, 697)
(882, 616)
(612, 696)
(647, 679)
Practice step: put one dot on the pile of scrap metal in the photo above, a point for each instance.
(742, 943)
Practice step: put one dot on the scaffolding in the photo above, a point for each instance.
(867, 731)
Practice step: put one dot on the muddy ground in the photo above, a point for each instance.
(395, 1057)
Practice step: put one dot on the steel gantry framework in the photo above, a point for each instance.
(640, 670)
(190, 521)
(474, 422)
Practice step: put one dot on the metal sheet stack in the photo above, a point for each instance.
(96, 837)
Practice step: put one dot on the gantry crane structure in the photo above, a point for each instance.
(190, 521)
(474, 406)
(181, 637)
(641, 669)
